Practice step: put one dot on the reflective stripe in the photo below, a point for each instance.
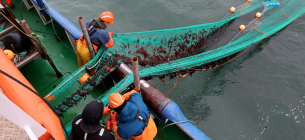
(85, 137)
(121, 98)
(141, 118)
(78, 121)
(113, 102)
(90, 28)
(106, 16)
(102, 132)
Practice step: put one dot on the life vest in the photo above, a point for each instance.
(82, 41)
(149, 132)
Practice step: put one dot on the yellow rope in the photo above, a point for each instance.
(18, 28)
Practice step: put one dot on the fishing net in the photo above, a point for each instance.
(156, 47)
(101, 71)
(182, 50)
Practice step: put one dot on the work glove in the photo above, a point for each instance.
(113, 116)
(111, 33)
(106, 110)
(108, 125)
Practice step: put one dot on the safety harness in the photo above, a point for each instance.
(88, 29)
(138, 116)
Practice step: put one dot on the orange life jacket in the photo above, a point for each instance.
(148, 133)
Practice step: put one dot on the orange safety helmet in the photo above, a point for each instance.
(107, 16)
(116, 100)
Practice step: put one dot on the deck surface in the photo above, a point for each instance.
(10, 131)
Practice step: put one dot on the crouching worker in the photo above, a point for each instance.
(87, 125)
(99, 37)
(134, 120)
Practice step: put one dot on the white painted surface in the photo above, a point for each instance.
(13, 113)
(30, 132)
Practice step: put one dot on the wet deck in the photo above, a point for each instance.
(10, 131)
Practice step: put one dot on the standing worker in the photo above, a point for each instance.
(9, 2)
(98, 36)
(134, 120)
(87, 125)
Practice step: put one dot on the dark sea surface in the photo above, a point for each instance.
(258, 96)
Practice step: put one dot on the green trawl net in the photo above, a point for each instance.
(156, 47)
(101, 71)
(172, 50)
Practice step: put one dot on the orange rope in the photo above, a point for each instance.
(286, 15)
(175, 84)
(259, 31)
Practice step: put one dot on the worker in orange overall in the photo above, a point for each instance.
(99, 37)
(9, 2)
(134, 121)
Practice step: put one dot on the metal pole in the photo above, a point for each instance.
(86, 35)
(135, 68)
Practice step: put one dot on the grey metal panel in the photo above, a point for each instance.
(34, 56)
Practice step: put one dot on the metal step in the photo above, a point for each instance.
(34, 56)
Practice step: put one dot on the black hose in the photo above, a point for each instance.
(6, 74)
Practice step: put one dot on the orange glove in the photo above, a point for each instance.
(106, 110)
(108, 125)
(111, 33)
(113, 116)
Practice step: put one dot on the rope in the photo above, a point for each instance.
(55, 30)
(18, 28)
(175, 84)
(259, 31)
(176, 123)
(286, 15)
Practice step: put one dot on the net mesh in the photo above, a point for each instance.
(164, 52)
(157, 47)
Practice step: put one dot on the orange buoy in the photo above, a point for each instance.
(249, 0)
(242, 27)
(182, 75)
(84, 78)
(258, 15)
(9, 54)
(232, 9)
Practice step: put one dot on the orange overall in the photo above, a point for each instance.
(9, 2)
(82, 51)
